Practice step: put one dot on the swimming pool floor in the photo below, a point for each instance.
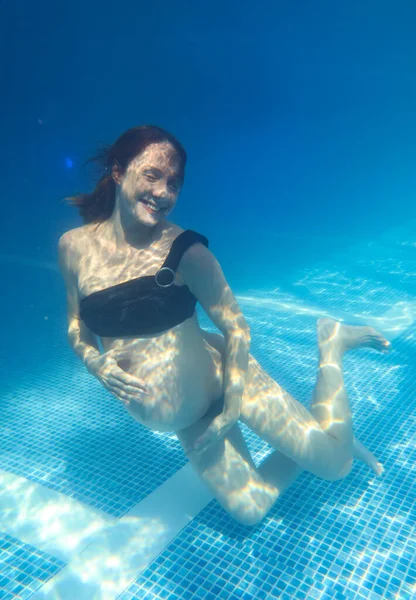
(82, 484)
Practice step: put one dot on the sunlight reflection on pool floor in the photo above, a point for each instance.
(349, 539)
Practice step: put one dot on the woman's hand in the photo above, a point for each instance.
(215, 432)
(127, 388)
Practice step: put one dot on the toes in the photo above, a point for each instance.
(379, 342)
(379, 469)
(384, 345)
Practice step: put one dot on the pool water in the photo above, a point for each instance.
(92, 505)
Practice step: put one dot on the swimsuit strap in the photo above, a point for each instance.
(180, 245)
(166, 274)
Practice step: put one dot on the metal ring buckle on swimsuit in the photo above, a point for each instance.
(165, 284)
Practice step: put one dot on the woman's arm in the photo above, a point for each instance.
(124, 386)
(205, 279)
(80, 338)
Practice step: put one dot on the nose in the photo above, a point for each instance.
(160, 189)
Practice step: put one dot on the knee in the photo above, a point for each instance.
(336, 473)
(248, 518)
(251, 512)
(250, 508)
(346, 470)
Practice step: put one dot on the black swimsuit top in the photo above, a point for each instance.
(144, 305)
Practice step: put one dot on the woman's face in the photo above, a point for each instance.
(151, 184)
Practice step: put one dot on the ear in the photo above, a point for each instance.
(116, 172)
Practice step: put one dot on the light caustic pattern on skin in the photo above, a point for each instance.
(306, 440)
(183, 376)
(293, 426)
(134, 241)
(150, 187)
(186, 375)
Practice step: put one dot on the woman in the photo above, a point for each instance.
(133, 279)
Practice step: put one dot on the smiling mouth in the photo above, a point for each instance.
(151, 207)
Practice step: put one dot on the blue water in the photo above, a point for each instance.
(298, 120)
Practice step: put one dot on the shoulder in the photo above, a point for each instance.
(71, 244)
(71, 238)
(79, 236)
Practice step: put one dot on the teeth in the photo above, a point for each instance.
(152, 206)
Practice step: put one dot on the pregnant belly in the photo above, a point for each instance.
(182, 383)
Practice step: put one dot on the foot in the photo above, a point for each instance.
(347, 337)
(361, 453)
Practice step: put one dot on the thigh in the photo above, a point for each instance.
(269, 409)
(262, 394)
(275, 416)
(230, 474)
(263, 397)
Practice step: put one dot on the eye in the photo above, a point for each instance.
(175, 185)
(150, 175)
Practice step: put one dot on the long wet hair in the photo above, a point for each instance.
(98, 206)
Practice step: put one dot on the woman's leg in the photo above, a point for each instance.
(277, 470)
(245, 492)
(227, 469)
(334, 340)
(320, 441)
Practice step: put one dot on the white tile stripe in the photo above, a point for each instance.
(48, 520)
(104, 555)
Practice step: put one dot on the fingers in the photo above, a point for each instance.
(124, 396)
(198, 449)
(130, 388)
(206, 440)
(129, 382)
(126, 379)
(125, 387)
(214, 433)
(112, 372)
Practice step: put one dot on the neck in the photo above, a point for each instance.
(127, 232)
